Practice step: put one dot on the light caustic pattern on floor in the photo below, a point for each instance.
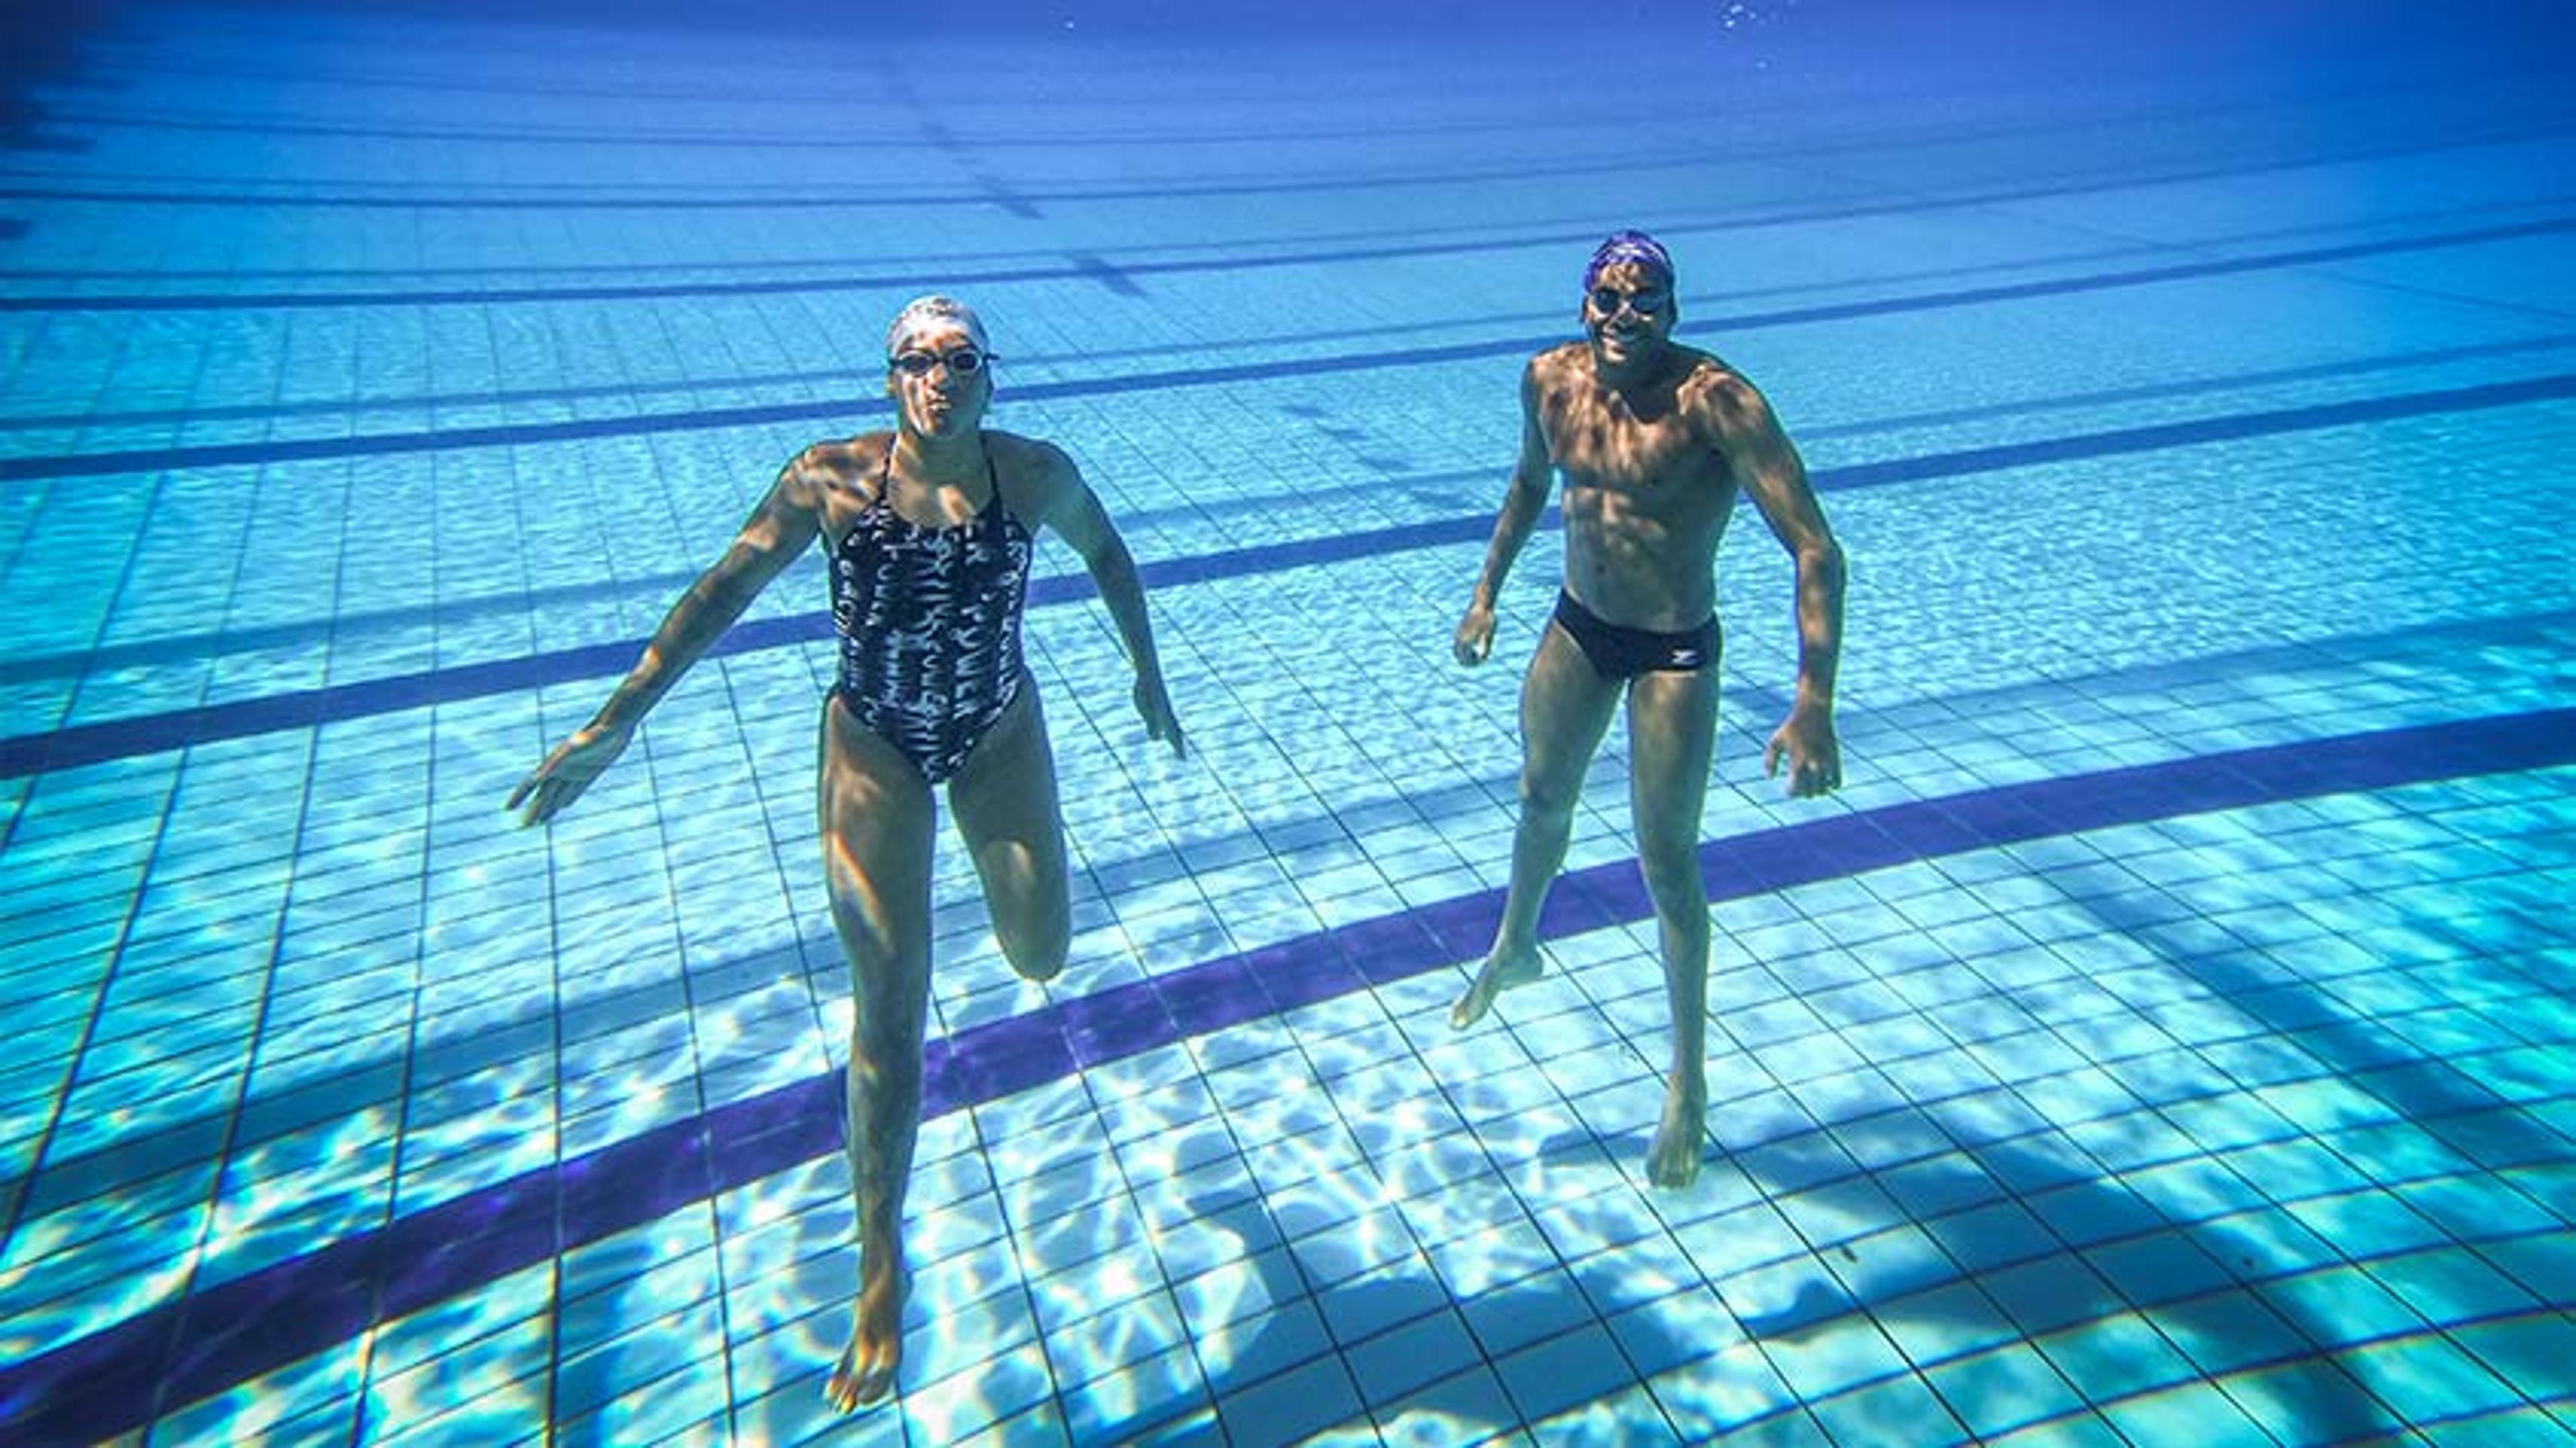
(2164, 1037)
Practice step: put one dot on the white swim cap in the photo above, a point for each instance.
(923, 313)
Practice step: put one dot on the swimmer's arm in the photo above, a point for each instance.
(1523, 502)
(780, 529)
(783, 526)
(1068, 505)
(1775, 477)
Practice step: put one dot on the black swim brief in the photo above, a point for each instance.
(1617, 653)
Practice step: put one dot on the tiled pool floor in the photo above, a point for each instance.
(2165, 1037)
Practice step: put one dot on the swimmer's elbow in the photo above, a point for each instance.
(1111, 564)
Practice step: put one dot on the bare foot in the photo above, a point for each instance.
(1503, 969)
(866, 1371)
(1673, 1159)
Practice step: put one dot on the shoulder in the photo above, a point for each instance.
(1035, 476)
(1029, 462)
(850, 464)
(1557, 367)
(1722, 399)
(1025, 457)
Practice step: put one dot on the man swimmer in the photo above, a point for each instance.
(1656, 441)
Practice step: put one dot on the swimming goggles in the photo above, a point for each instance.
(1646, 303)
(964, 362)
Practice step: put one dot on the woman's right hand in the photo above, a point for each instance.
(567, 772)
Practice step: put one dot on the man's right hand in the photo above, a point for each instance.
(1475, 639)
(567, 772)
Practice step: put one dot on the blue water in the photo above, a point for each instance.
(2164, 1037)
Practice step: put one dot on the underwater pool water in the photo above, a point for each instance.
(2167, 1034)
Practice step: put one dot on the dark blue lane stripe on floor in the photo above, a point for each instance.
(117, 1379)
(26, 754)
(32, 468)
(540, 197)
(348, 626)
(1912, 134)
(1083, 265)
(81, 744)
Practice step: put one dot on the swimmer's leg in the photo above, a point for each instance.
(1672, 728)
(1004, 798)
(1565, 708)
(876, 819)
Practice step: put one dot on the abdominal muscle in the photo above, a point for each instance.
(1637, 569)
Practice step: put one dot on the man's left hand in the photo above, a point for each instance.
(1815, 759)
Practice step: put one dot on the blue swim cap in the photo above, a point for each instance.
(1629, 246)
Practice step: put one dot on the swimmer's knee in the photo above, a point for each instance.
(1549, 798)
(1672, 873)
(1039, 960)
(1037, 949)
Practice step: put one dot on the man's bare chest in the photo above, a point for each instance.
(1595, 447)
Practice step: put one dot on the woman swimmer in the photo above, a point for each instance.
(928, 530)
